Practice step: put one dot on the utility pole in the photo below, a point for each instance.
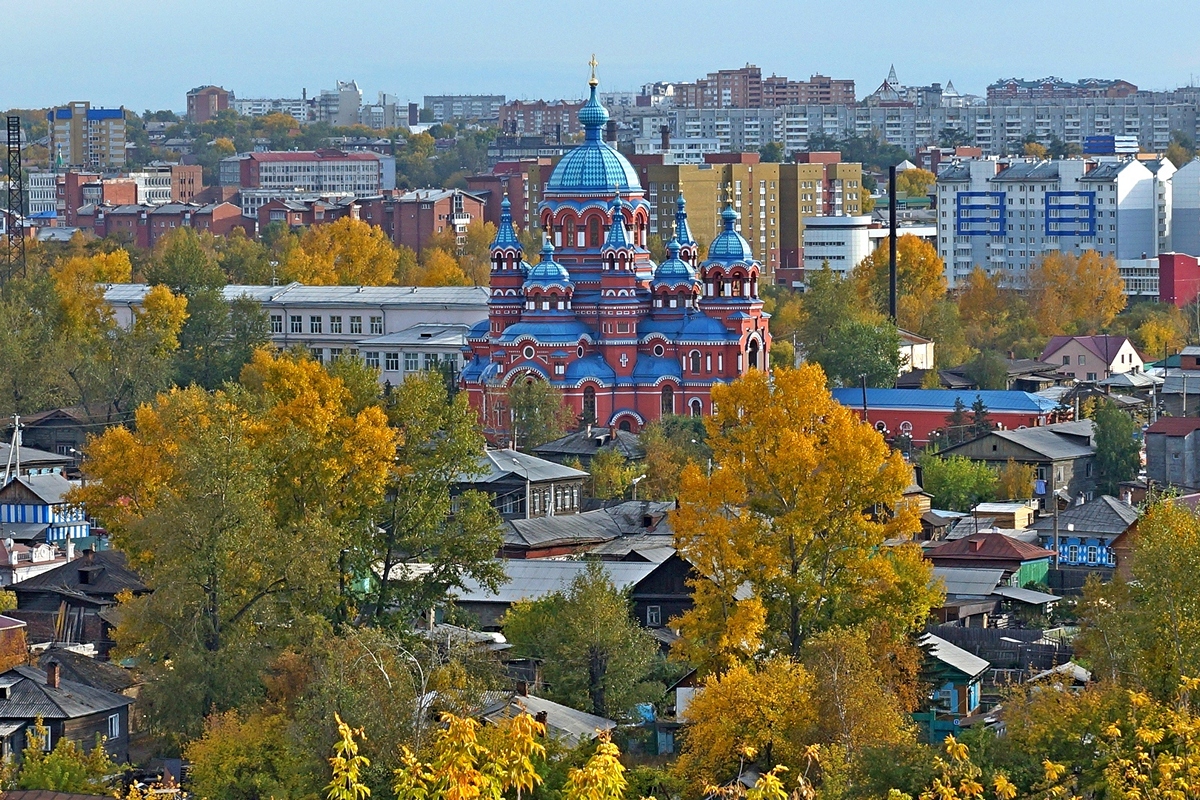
(12, 469)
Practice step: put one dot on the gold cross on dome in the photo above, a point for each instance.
(593, 64)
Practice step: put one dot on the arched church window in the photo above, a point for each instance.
(752, 353)
(694, 361)
(668, 400)
(570, 228)
(594, 232)
(697, 407)
(589, 405)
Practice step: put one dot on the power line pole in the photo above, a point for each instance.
(14, 238)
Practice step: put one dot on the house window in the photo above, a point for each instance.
(1066, 360)
(356, 324)
(297, 323)
(335, 324)
(1082, 361)
(377, 325)
(335, 353)
(1072, 553)
(277, 323)
(372, 358)
(1093, 554)
(431, 360)
(114, 726)
(314, 324)
(411, 362)
(391, 362)
(653, 616)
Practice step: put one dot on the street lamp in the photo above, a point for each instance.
(636, 481)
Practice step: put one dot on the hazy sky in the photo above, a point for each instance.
(147, 54)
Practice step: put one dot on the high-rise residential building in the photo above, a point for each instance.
(1185, 209)
(40, 193)
(1042, 89)
(747, 88)
(339, 106)
(205, 102)
(298, 108)
(771, 200)
(467, 107)
(554, 119)
(82, 136)
(1005, 215)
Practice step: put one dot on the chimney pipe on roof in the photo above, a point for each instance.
(610, 132)
(52, 679)
(665, 142)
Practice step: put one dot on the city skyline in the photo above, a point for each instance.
(534, 50)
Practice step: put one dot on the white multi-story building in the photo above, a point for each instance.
(1004, 215)
(297, 108)
(153, 186)
(841, 242)
(265, 176)
(679, 151)
(398, 329)
(40, 193)
(1185, 209)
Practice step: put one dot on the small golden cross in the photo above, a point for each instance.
(593, 63)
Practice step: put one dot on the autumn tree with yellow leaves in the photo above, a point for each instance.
(345, 252)
(1075, 294)
(787, 530)
(233, 507)
(920, 282)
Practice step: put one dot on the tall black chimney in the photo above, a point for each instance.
(892, 243)
(610, 132)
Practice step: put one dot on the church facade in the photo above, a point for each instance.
(626, 340)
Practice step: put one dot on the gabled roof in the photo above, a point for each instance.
(50, 488)
(569, 725)
(1065, 440)
(953, 656)
(1106, 516)
(592, 527)
(496, 465)
(530, 579)
(1175, 426)
(1103, 347)
(31, 455)
(107, 572)
(88, 671)
(988, 547)
(30, 697)
(589, 442)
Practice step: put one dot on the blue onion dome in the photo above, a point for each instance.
(730, 247)
(594, 166)
(548, 272)
(617, 236)
(682, 231)
(506, 235)
(674, 271)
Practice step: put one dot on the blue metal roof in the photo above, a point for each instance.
(593, 166)
(943, 399)
(650, 368)
(105, 113)
(702, 326)
(674, 271)
(729, 247)
(506, 237)
(548, 272)
(617, 240)
(592, 366)
(683, 233)
(565, 331)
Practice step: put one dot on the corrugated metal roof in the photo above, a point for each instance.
(943, 399)
(530, 579)
(569, 725)
(472, 296)
(1105, 516)
(497, 465)
(954, 656)
(966, 582)
(30, 697)
(1025, 595)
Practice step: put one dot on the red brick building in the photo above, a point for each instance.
(521, 180)
(145, 225)
(412, 218)
(204, 102)
(556, 119)
(297, 213)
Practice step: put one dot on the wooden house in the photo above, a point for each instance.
(28, 501)
(955, 677)
(70, 710)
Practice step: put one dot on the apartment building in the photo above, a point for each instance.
(306, 174)
(298, 108)
(205, 102)
(1185, 209)
(464, 107)
(1058, 89)
(40, 193)
(747, 88)
(841, 242)
(556, 119)
(399, 329)
(1004, 215)
(82, 136)
(771, 200)
(412, 218)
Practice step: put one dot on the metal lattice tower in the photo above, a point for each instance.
(14, 239)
